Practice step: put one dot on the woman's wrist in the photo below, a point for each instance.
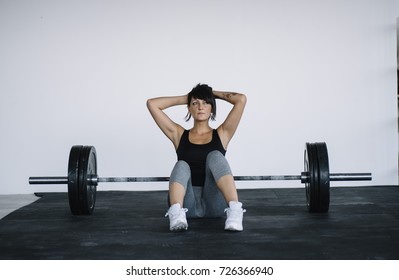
(218, 94)
(225, 95)
(184, 99)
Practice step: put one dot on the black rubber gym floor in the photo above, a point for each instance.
(363, 223)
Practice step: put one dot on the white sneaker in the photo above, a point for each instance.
(177, 217)
(235, 214)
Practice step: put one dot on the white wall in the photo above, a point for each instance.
(79, 72)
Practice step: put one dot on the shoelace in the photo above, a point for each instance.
(182, 209)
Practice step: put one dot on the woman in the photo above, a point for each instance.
(201, 181)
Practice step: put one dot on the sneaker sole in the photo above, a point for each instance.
(232, 228)
(179, 227)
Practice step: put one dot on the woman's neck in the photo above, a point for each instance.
(201, 128)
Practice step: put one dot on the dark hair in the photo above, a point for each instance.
(203, 92)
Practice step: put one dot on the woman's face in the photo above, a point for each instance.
(200, 110)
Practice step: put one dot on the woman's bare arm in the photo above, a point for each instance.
(171, 129)
(227, 129)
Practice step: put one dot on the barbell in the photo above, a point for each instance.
(82, 179)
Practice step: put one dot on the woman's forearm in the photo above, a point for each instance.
(167, 101)
(231, 97)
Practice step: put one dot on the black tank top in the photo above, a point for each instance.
(195, 155)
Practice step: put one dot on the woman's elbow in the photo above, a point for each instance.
(150, 103)
(242, 98)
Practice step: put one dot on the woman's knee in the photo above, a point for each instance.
(181, 173)
(217, 164)
(215, 156)
(182, 166)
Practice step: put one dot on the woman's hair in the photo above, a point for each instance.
(203, 92)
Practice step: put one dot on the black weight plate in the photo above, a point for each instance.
(316, 176)
(311, 166)
(324, 178)
(308, 172)
(87, 168)
(73, 179)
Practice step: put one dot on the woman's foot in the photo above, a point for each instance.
(177, 218)
(235, 215)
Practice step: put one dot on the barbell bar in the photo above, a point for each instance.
(58, 180)
(82, 179)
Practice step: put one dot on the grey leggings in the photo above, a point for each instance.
(206, 201)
